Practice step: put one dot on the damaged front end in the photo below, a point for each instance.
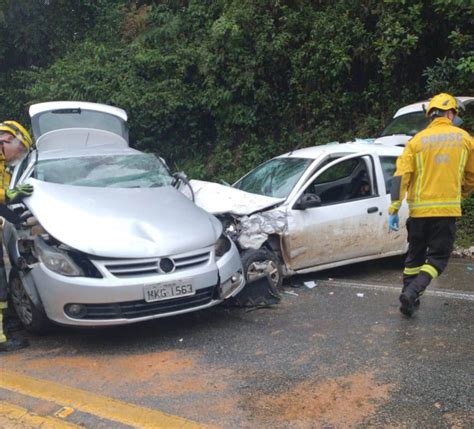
(256, 224)
(33, 244)
(258, 237)
(29, 245)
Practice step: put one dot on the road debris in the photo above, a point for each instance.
(260, 292)
(360, 295)
(311, 284)
(290, 292)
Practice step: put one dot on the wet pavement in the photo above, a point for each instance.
(335, 356)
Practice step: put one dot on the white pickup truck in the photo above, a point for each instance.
(411, 119)
(310, 209)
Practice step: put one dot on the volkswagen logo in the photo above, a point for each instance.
(166, 265)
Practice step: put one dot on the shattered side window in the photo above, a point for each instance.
(103, 171)
(275, 178)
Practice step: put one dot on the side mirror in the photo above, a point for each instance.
(307, 201)
(180, 176)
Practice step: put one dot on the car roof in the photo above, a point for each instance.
(54, 105)
(418, 107)
(315, 152)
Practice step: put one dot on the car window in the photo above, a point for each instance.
(408, 124)
(78, 118)
(339, 171)
(389, 165)
(103, 171)
(274, 178)
(19, 170)
(345, 181)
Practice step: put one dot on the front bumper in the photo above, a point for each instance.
(116, 300)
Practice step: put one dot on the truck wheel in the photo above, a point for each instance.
(33, 319)
(260, 262)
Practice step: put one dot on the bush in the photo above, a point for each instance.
(465, 225)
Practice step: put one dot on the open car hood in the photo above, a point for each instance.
(122, 223)
(219, 199)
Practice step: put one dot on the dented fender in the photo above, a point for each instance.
(255, 229)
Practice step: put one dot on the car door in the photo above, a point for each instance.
(347, 225)
(394, 241)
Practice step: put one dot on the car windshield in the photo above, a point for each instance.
(274, 178)
(105, 171)
(408, 124)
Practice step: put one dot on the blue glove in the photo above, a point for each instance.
(393, 222)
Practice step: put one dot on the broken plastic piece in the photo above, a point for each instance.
(289, 292)
(260, 292)
(311, 284)
(360, 295)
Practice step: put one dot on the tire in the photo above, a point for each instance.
(32, 318)
(259, 262)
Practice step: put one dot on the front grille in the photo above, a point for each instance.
(137, 309)
(144, 267)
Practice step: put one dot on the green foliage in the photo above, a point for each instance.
(465, 225)
(218, 86)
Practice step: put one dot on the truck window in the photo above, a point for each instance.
(389, 165)
(348, 180)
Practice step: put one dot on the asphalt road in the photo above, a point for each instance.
(335, 356)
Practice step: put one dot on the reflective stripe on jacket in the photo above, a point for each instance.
(4, 178)
(434, 171)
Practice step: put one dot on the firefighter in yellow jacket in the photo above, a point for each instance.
(434, 172)
(15, 142)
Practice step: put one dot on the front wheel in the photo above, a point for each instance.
(261, 262)
(33, 319)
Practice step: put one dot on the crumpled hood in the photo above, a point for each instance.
(219, 199)
(122, 223)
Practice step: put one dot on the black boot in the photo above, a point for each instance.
(408, 299)
(13, 344)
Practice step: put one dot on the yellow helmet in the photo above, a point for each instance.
(17, 130)
(442, 101)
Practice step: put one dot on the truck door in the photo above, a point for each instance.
(348, 223)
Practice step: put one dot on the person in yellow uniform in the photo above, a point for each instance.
(15, 142)
(434, 172)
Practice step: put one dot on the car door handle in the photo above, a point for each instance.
(372, 209)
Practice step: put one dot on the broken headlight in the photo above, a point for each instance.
(222, 246)
(56, 259)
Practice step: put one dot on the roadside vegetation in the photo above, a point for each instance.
(218, 86)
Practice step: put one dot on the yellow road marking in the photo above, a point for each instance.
(13, 415)
(101, 406)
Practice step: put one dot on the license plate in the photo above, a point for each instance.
(169, 290)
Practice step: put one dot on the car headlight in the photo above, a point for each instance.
(56, 260)
(222, 246)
